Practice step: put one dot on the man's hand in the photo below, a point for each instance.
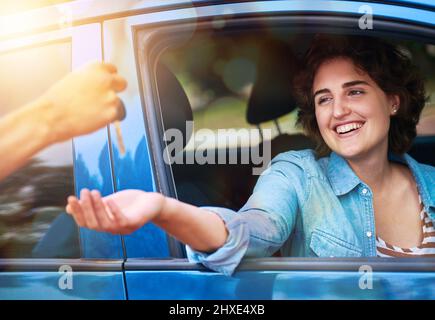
(82, 102)
(119, 213)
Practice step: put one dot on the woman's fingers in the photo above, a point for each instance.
(84, 215)
(100, 212)
(75, 209)
(109, 212)
(88, 210)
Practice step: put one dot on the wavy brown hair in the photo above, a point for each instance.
(389, 67)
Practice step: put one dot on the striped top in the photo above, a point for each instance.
(425, 249)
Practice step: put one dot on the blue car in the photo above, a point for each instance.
(224, 65)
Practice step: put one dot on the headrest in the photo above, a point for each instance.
(271, 95)
(174, 103)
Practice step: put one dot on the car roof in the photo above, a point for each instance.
(87, 11)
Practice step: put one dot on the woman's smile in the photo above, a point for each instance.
(348, 129)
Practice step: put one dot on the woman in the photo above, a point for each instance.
(356, 195)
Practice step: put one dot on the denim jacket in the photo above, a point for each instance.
(307, 207)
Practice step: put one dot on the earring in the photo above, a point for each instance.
(394, 108)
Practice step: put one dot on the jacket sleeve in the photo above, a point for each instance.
(265, 222)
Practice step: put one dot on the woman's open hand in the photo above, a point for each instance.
(120, 213)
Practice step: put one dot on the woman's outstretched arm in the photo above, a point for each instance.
(128, 210)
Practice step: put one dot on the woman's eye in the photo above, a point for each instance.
(356, 92)
(323, 100)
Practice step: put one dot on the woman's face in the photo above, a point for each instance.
(352, 112)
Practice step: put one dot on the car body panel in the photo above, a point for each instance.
(286, 278)
(61, 279)
(45, 286)
(267, 285)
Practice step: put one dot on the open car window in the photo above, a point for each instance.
(240, 79)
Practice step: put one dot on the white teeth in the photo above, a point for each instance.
(348, 127)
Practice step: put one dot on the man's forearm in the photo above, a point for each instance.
(202, 230)
(22, 134)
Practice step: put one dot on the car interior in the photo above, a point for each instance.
(230, 185)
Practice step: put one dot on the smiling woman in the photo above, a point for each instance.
(364, 102)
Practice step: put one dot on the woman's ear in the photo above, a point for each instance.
(394, 104)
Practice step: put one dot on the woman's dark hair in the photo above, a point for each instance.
(390, 68)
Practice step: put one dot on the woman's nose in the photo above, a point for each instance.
(340, 109)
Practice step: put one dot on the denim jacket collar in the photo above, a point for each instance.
(422, 183)
(340, 175)
(343, 179)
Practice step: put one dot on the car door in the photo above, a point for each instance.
(43, 255)
(156, 267)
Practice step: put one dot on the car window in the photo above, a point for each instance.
(32, 200)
